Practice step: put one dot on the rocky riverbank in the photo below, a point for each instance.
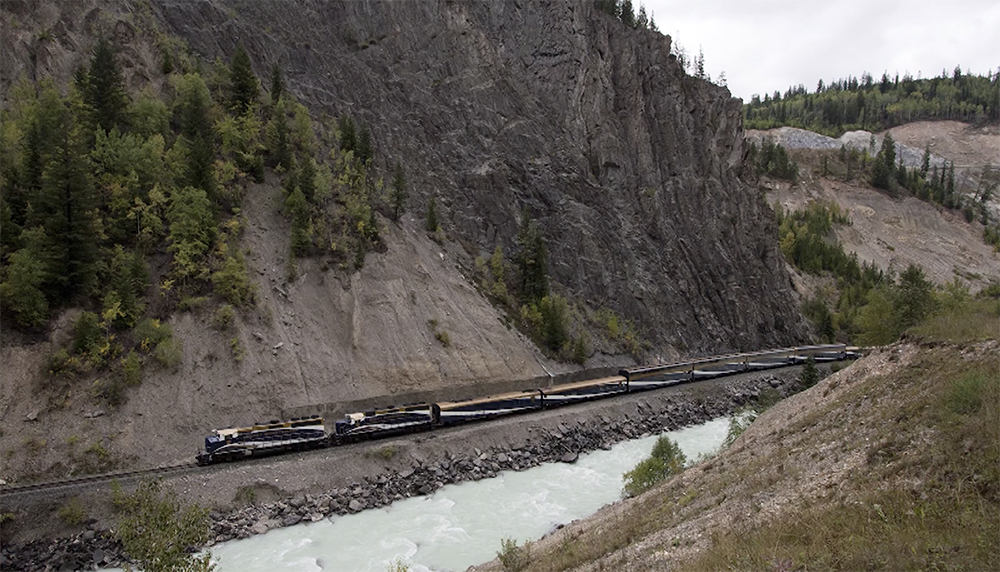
(464, 454)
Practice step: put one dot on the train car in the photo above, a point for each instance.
(383, 423)
(584, 391)
(453, 412)
(263, 439)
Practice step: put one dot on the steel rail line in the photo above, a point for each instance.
(795, 356)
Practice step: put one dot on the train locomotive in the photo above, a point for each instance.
(263, 439)
(310, 432)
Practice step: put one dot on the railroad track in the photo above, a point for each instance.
(669, 374)
(14, 490)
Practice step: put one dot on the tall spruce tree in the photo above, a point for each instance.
(277, 84)
(399, 192)
(66, 210)
(104, 90)
(244, 82)
(530, 261)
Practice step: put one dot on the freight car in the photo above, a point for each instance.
(277, 437)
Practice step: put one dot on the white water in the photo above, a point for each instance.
(459, 525)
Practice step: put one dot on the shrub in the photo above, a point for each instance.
(443, 337)
(132, 369)
(110, 391)
(233, 283)
(149, 333)
(512, 557)
(222, 320)
(809, 374)
(73, 512)
(87, 333)
(666, 459)
(169, 353)
(237, 347)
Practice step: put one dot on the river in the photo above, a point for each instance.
(458, 525)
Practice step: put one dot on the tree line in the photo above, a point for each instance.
(864, 103)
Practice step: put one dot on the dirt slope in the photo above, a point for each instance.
(335, 337)
(893, 233)
(802, 479)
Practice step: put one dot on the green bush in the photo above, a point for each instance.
(87, 333)
(666, 459)
(223, 318)
(150, 332)
(132, 369)
(168, 353)
(73, 513)
(512, 557)
(232, 282)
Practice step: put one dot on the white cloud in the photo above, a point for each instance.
(768, 45)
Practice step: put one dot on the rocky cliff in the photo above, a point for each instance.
(630, 166)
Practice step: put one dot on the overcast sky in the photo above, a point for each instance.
(768, 45)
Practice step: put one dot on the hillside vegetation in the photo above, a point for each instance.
(875, 105)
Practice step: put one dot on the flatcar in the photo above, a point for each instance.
(454, 412)
(383, 422)
(576, 392)
(263, 439)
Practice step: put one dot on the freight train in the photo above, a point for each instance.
(311, 432)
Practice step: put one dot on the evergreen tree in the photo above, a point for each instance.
(699, 67)
(642, 21)
(364, 151)
(399, 192)
(348, 137)
(66, 207)
(307, 179)
(809, 375)
(104, 90)
(432, 218)
(281, 153)
(243, 81)
(925, 164)
(627, 14)
(530, 261)
(277, 84)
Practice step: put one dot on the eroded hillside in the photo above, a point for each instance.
(894, 232)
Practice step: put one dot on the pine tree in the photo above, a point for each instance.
(530, 261)
(364, 151)
(432, 219)
(925, 164)
(348, 138)
(277, 84)
(65, 208)
(399, 192)
(307, 179)
(104, 90)
(627, 14)
(243, 81)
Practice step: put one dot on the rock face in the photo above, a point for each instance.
(551, 108)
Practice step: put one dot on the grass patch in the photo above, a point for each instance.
(975, 320)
